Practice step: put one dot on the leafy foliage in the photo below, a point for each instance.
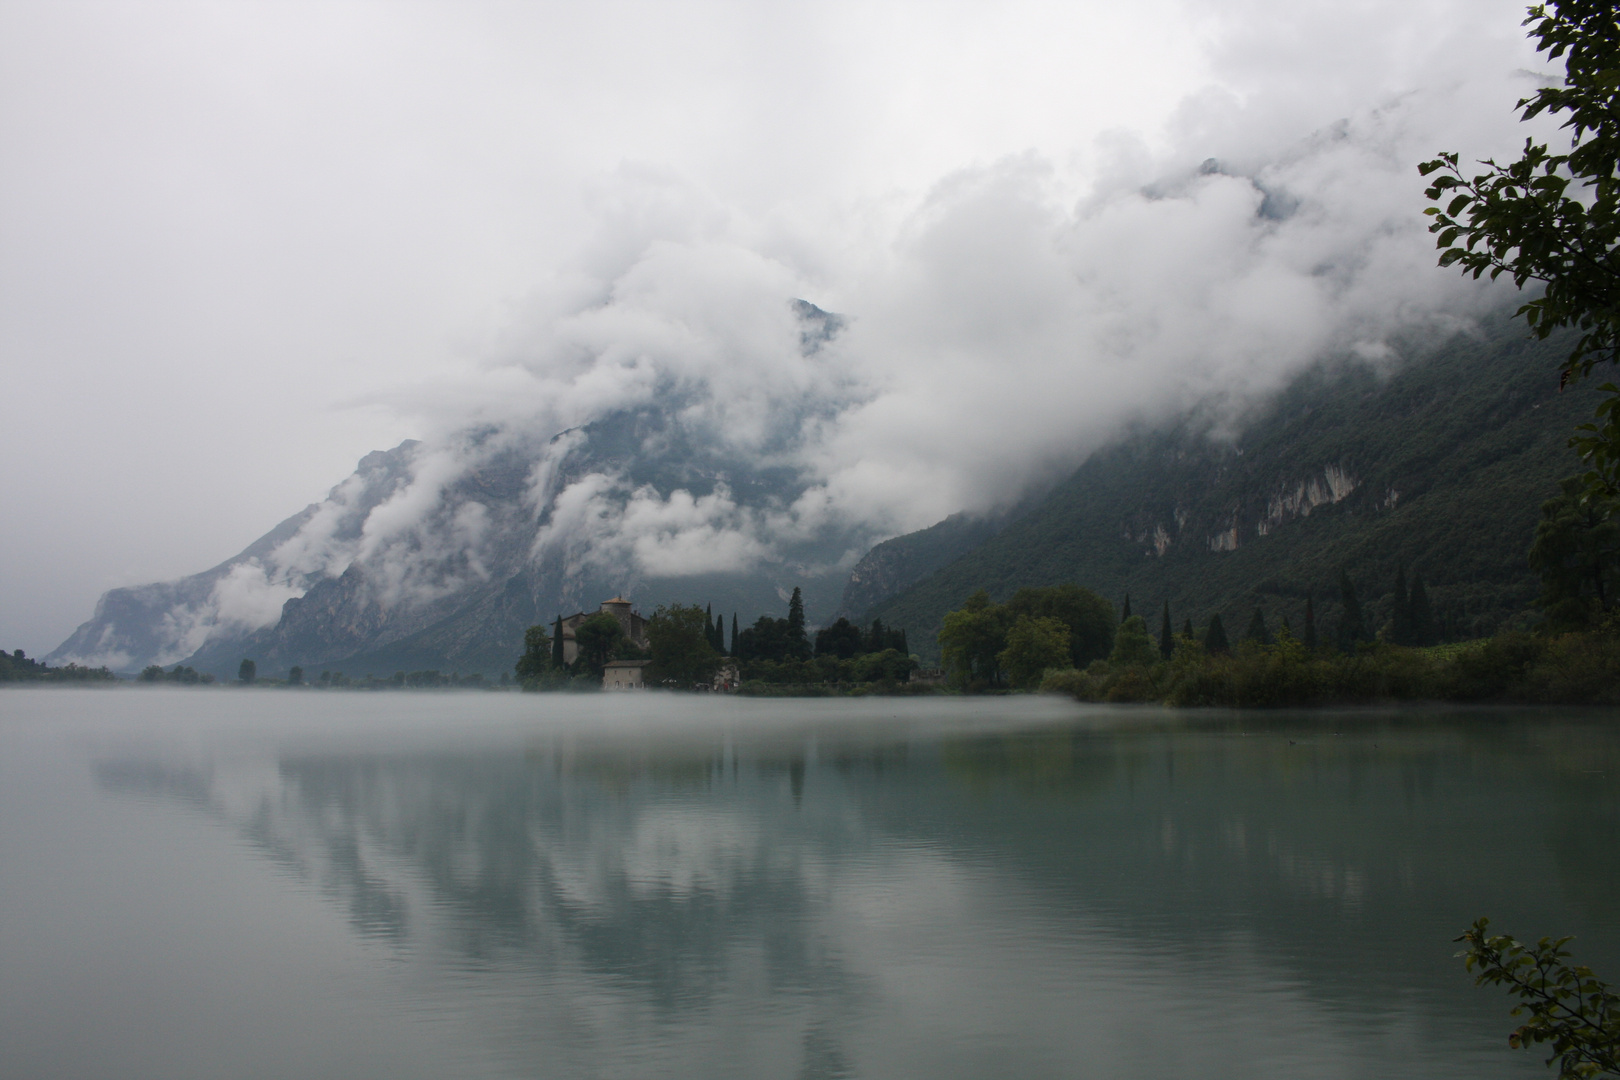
(842, 639)
(1574, 669)
(1576, 551)
(597, 637)
(972, 642)
(888, 671)
(680, 639)
(1035, 645)
(16, 666)
(1569, 1007)
(538, 653)
(188, 676)
(1554, 218)
(976, 640)
(1352, 626)
(1257, 631)
(1132, 646)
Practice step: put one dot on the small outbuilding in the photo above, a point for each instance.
(624, 675)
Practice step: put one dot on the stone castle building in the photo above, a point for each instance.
(630, 621)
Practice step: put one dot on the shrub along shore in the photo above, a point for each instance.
(1569, 669)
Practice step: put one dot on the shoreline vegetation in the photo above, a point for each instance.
(1510, 668)
(15, 667)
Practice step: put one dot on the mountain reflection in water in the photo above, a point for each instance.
(929, 888)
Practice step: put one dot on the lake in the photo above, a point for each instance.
(274, 883)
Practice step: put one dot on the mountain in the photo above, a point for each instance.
(438, 555)
(892, 565)
(1439, 465)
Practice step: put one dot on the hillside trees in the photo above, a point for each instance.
(972, 642)
(1132, 646)
(798, 644)
(1034, 645)
(1352, 626)
(841, 639)
(680, 639)
(1257, 631)
(1576, 551)
(976, 636)
(538, 654)
(596, 638)
(16, 666)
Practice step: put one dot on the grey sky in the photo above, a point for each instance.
(243, 244)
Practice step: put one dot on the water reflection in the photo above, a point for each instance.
(1143, 894)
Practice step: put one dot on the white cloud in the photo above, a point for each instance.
(279, 213)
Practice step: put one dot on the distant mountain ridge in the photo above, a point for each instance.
(439, 556)
(1440, 466)
(434, 556)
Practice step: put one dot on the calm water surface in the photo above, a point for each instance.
(219, 883)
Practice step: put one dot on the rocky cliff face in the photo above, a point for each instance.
(1439, 467)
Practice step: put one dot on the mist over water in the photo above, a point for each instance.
(271, 883)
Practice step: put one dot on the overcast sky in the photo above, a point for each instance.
(242, 244)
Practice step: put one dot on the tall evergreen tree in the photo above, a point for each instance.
(1310, 626)
(798, 645)
(1352, 629)
(557, 653)
(905, 650)
(1400, 630)
(1215, 636)
(877, 638)
(1167, 638)
(1424, 629)
(733, 650)
(1257, 629)
(1127, 612)
(1187, 629)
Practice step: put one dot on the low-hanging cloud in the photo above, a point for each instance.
(991, 333)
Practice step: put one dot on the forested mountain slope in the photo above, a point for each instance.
(1440, 467)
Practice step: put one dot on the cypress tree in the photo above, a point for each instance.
(905, 650)
(1351, 627)
(1186, 629)
(798, 646)
(1310, 626)
(877, 639)
(1421, 615)
(1400, 631)
(1215, 636)
(1257, 629)
(557, 644)
(1167, 640)
(733, 650)
(1127, 612)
